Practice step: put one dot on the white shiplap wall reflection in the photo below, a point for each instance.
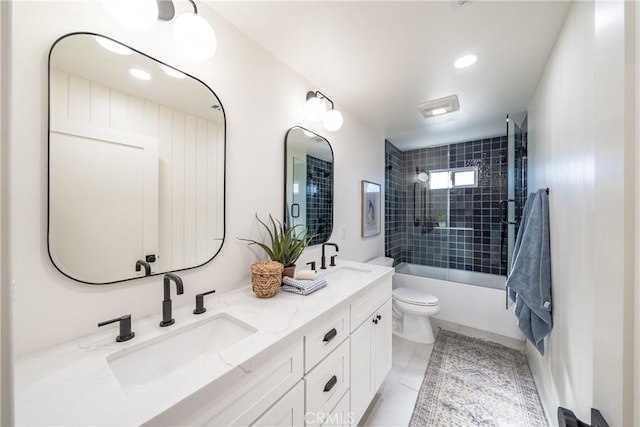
(189, 184)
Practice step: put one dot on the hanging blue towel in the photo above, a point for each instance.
(530, 280)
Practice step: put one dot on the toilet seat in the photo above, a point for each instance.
(415, 297)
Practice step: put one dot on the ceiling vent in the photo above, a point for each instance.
(440, 106)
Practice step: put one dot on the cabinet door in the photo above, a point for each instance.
(381, 345)
(361, 387)
(287, 412)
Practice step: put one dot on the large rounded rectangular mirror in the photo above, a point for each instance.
(309, 183)
(136, 163)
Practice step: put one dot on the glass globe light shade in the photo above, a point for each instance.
(195, 37)
(315, 109)
(136, 14)
(332, 121)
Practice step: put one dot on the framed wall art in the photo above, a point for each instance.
(371, 209)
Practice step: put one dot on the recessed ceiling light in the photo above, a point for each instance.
(172, 72)
(437, 111)
(139, 74)
(465, 61)
(112, 46)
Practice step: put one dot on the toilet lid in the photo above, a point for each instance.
(414, 296)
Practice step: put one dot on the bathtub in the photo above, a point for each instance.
(458, 276)
(480, 305)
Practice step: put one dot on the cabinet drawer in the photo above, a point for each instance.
(327, 336)
(340, 416)
(327, 383)
(287, 412)
(243, 399)
(363, 306)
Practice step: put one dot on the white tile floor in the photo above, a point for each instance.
(393, 405)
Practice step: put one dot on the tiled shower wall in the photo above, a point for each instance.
(393, 211)
(458, 228)
(319, 199)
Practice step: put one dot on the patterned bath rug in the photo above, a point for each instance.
(472, 382)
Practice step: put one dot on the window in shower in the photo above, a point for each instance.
(453, 178)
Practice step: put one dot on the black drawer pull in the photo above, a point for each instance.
(379, 317)
(330, 335)
(330, 384)
(375, 321)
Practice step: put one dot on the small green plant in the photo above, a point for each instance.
(285, 244)
(440, 217)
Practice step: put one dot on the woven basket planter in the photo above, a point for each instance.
(266, 278)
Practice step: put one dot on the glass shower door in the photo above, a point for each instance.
(516, 185)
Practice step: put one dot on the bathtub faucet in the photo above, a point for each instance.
(323, 263)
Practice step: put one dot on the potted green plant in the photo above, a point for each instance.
(441, 219)
(285, 244)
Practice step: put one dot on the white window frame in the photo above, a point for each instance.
(451, 172)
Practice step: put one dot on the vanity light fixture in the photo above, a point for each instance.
(316, 110)
(112, 46)
(139, 74)
(194, 36)
(192, 33)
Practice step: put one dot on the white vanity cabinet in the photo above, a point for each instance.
(370, 346)
(312, 361)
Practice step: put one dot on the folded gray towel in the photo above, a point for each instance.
(303, 284)
(305, 291)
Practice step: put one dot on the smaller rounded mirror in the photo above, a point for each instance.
(309, 183)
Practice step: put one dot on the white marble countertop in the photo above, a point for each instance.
(72, 384)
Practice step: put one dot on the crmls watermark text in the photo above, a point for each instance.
(335, 419)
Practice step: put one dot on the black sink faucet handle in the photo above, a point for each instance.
(200, 308)
(333, 261)
(125, 327)
(312, 265)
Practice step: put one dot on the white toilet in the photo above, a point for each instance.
(415, 307)
(412, 309)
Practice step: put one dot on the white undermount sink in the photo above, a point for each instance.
(346, 273)
(147, 362)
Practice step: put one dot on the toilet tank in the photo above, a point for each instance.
(382, 260)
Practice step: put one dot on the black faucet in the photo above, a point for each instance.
(323, 263)
(167, 318)
(125, 327)
(312, 265)
(200, 308)
(145, 264)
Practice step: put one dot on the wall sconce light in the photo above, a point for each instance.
(316, 110)
(192, 33)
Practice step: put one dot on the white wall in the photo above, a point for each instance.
(6, 356)
(262, 99)
(577, 146)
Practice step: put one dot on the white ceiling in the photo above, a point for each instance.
(379, 60)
